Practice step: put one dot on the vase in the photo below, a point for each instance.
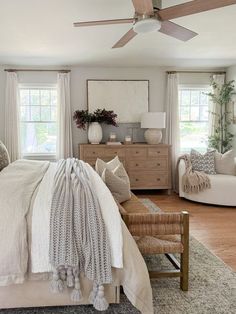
(94, 133)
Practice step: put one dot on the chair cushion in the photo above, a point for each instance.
(159, 244)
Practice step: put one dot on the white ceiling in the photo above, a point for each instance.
(40, 32)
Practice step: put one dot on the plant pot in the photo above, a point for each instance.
(94, 133)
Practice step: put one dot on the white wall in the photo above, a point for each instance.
(79, 75)
(231, 75)
(195, 78)
(37, 77)
(157, 85)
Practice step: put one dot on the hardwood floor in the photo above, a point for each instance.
(213, 226)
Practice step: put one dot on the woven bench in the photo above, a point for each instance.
(160, 233)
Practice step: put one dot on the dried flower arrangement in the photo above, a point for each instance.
(82, 117)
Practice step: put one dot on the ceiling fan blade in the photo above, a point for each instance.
(192, 7)
(125, 39)
(176, 31)
(104, 22)
(143, 6)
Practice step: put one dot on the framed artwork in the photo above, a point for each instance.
(127, 98)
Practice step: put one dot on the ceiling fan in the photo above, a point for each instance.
(149, 17)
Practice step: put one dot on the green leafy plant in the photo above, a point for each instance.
(82, 117)
(222, 97)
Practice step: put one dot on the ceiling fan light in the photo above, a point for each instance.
(147, 25)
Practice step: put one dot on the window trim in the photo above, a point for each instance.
(182, 87)
(194, 86)
(37, 86)
(38, 156)
(202, 87)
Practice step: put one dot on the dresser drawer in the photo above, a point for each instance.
(151, 164)
(103, 152)
(136, 152)
(150, 179)
(155, 151)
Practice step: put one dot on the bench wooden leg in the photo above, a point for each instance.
(184, 263)
(184, 273)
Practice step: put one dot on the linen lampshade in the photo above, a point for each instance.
(153, 122)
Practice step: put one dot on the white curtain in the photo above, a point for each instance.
(172, 132)
(12, 117)
(214, 109)
(64, 147)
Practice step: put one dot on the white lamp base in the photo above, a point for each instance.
(153, 136)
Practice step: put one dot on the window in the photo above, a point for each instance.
(194, 116)
(38, 115)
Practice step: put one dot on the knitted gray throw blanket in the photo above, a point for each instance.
(78, 238)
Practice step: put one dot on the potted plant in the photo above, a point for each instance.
(83, 118)
(222, 97)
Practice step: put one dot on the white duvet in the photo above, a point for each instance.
(28, 184)
(18, 182)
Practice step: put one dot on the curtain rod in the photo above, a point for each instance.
(36, 70)
(198, 72)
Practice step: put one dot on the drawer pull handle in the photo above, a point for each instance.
(136, 165)
(136, 179)
(94, 152)
(158, 152)
(158, 179)
(158, 164)
(115, 153)
(137, 152)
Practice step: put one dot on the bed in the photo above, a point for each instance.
(25, 270)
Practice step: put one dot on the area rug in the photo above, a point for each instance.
(212, 288)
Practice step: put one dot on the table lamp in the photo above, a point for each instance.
(153, 122)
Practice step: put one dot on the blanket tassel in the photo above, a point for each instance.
(63, 274)
(93, 293)
(76, 295)
(70, 278)
(56, 284)
(100, 303)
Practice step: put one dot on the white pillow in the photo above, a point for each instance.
(118, 183)
(110, 165)
(224, 163)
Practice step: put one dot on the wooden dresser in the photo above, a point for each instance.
(148, 166)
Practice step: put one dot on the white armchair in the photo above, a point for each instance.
(222, 191)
